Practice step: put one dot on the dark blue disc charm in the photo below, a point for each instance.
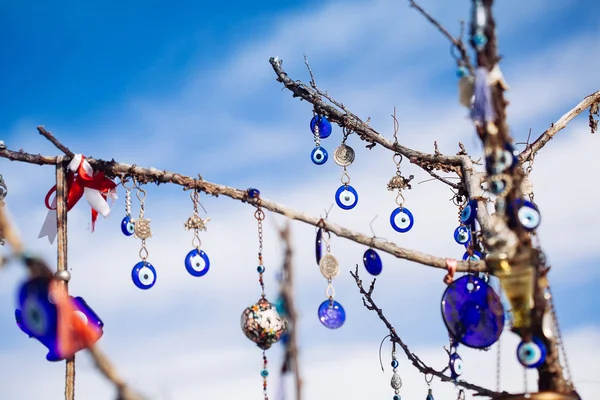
(127, 226)
(531, 354)
(462, 235)
(331, 314)
(319, 155)
(319, 245)
(469, 213)
(402, 220)
(197, 263)
(143, 275)
(372, 262)
(323, 124)
(346, 197)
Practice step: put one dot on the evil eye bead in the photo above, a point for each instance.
(346, 197)
(462, 235)
(319, 245)
(143, 275)
(531, 354)
(462, 71)
(456, 365)
(475, 257)
(501, 160)
(34, 317)
(319, 155)
(127, 226)
(197, 262)
(323, 125)
(528, 215)
(372, 262)
(469, 213)
(480, 40)
(402, 220)
(331, 314)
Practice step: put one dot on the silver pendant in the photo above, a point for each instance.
(329, 266)
(343, 155)
(142, 228)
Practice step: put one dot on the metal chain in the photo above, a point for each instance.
(259, 214)
(559, 340)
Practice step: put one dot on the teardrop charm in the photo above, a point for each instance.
(372, 262)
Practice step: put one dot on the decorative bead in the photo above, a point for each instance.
(346, 197)
(456, 365)
(253, 193)
(479, 39)
(331, 314)
(396, 397)
(260, 269)
(469, 213)
(323, 125)
(462, 235)
(264, 373)
(394, 363)
(372, 262)
(319, 155)
(462, 71)
(531, 354)
(197, 263)
(528, 215)
(262, 324)
(402, 220)
(396, 381)
(475, 257)
(127, 226)
(143, 275)
(63, 275)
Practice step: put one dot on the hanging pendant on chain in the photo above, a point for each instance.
(127, 226)
(196, 261)
(143, 273)
(331, 313)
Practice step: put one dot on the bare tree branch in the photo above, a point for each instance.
(48, 135)
(114, 169)
(369, 303)
(533, 148)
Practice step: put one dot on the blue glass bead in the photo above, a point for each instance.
(319, 155)
(143, 275)
(319, 245)
(346, 197)
(527, 214)
(323, 124)
(197, 263)
(429, 397)
(264, 373)
(260, 269)
(372, 262)
(253, 193)
(402, 220)
(475, 257)
(396, 397)
(462, 71)
(531, 354)
(479, 39)
(127, 226)
(394, 363)
(462, 235)
(331, 314)
(469, 213)
(456, 366)
(501, 160)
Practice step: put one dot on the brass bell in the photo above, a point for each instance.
(539, 396)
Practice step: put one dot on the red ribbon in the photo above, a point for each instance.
(76, 184)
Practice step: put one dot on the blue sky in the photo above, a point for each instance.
(188, 88)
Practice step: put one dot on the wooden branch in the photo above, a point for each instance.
(145, 175)
(559, 125)
(55, 142)
(370, 304)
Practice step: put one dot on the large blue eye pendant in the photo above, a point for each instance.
(319, 155)
(469, 213)
(372, 262)
(143, 275)
(331, 314)
(197, 262)
(38, 318)
(322, 124)
(127, 226)
(531, 354)
(527, 214)
(346, 197)
(402, 220)
(462, 235)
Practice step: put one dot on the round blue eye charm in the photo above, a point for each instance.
(462, 71)
(143, 275)
(319, 245)
(531, 354)
(319, 155)
(480, 40)
(331, 314)
(372, 262)
(528, 214)
(456, 365)
(475, 257)
(323, 124)
(402, 220)
(469, 213)
(462, 235)
(127, 226)
(346, 197)
(197, 263)
(501, 160)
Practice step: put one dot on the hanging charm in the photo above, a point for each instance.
(331, 313)
(396, 381)
(401, 219)
(127, 226)
(143, 273)
(196, 262)
(429, 390)
(260, 322)
(455, 362)
(346, 197)
(321, 129)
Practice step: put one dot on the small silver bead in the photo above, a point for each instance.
(63, 275)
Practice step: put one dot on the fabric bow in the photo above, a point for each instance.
(81, 180)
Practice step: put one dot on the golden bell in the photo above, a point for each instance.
(517, 277)
(538, 396)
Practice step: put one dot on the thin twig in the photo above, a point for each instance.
(114, 169)
(369, 303)
(312, 77)
(48, 135)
